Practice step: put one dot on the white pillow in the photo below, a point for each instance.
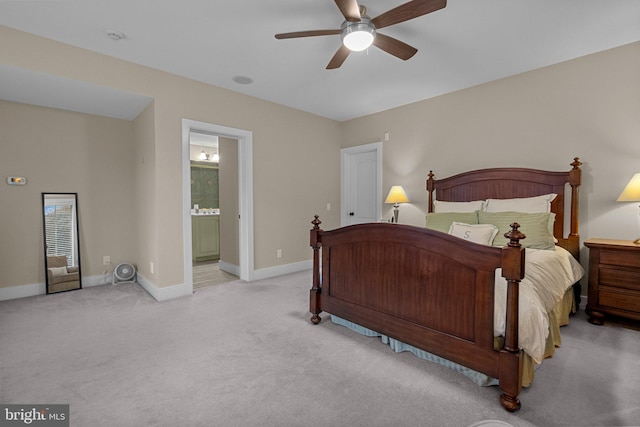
(524, 204)
(476, 233)
(441, 206)
(58, 271)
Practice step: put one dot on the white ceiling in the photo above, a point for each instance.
(467, 43)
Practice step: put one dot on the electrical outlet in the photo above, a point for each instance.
(328, 206)
(106, 260)
(279, 253)
(151, 267)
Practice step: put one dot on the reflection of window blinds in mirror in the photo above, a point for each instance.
(60, 228)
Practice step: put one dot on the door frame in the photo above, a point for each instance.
(345, 173)
(245, 195)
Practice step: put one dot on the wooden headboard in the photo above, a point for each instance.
(506, 183)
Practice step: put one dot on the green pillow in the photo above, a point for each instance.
(441, 221)
(534, 225)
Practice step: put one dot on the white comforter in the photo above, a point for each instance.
(548, 275)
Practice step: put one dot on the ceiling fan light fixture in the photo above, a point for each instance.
(358, 36)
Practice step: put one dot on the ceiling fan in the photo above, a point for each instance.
(358, 31)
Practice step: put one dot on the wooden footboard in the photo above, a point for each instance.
(426, 288)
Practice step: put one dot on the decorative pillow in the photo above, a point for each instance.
(476, 233)
(58, 271)
(441, 221)
(440, 206)
(524, 204)
(534, 225)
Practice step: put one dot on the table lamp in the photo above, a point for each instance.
(631, 193)
(396, 196)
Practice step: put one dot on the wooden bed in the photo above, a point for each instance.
(435, 291)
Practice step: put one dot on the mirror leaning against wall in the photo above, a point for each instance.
(61, 242)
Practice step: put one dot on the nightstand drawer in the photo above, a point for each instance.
(620, 278)
(619, 299)
(622, 258)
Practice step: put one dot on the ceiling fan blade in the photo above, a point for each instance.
(394, 46)
(350, 10)
(311, 33)
(407, 11)
(338, 58)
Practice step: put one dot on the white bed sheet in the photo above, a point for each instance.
(548, 275)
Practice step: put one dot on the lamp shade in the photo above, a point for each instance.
(631, 192)
(396, 195)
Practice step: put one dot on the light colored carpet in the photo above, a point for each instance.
(245, 354)
(208, 273)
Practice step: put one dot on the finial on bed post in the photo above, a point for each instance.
(576, 163)
(513, 272)
(430, 188)
(514, 235)
(314, 296)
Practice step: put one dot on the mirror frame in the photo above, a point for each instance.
(76, 244)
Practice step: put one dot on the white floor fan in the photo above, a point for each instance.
(124, 273)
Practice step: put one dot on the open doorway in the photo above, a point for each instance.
(214, 209)
(238, 177)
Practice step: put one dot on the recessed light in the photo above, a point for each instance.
(116, 35)
(243, 80)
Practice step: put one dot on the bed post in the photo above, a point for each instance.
(314, 296)
(510, 356)
(574, 180)
(430, 188)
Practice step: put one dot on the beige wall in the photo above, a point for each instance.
(58, 151)
(286, 143)
(588, 107)
(145, 200)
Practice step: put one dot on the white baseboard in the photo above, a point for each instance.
(280, 270)
(181, 290)
(99, 280)
(24, 291)
(163, 294)
(229, 268)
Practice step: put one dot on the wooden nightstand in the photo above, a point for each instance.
(614, 279)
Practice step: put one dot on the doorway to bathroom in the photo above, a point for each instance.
(243, 223)
(213, 161)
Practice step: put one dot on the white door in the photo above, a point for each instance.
(361, 184)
